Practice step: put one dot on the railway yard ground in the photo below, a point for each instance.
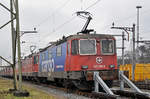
(46, 92)
(36, 91)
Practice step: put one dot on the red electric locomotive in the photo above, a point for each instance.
(88, 53)
(30, 66)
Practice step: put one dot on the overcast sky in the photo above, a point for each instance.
(55, 18)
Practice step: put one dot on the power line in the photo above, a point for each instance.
(129, 17)
(66, 22)
(72, 18)
(58, 9)
(60, 26)
(92, 5)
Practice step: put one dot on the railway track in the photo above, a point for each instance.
(119, 94)
(141, 84)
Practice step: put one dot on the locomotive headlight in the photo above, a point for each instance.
(111, 66)
(84, 67)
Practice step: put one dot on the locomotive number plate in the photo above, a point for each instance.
(99, 66)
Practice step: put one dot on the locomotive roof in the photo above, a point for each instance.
(84, 36)
(78, 36)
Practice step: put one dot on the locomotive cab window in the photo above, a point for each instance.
(107, 46)
(34, 59)
(87, 47)
(74, 47)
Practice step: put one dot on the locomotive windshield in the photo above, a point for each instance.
(107, 46)
(87, 47)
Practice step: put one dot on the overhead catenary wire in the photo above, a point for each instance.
(92, 5)
(68, 21)
(127, 18)
(63, 7)
(52, 15)
(71, 19)
(58, 9)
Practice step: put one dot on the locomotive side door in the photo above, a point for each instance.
(72, 54)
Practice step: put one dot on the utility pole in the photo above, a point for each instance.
(122, 83)
(21, 92)
(123, 48)
(138, 7)
(14, 16)
(133, 54)
(127, 30)
(13, 46)
(19, 48)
